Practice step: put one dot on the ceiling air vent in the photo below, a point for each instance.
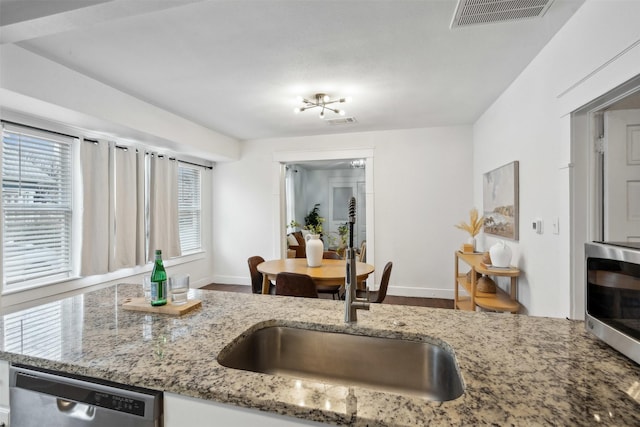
(474, 12)
(341, 121)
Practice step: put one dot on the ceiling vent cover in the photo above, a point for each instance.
(341, 121)
(473, 12)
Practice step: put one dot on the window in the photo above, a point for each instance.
(36, 205)
(189, 207)
(40, 170)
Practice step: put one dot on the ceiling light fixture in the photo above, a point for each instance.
(321, 101)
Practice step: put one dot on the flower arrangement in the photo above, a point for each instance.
(475, 223)
(317, 227)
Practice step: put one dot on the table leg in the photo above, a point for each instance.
(266, 283)
(455, 283)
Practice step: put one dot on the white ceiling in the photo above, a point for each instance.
(237, 66)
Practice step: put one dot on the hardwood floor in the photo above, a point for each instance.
(390, 299)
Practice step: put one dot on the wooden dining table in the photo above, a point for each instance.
(331, 273)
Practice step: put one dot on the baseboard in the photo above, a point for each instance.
(231, 280)
(400, 291)
(405, 291)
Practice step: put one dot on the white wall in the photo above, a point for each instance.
(598, 49)
(422, 185)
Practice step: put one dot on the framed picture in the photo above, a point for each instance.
(500, 201)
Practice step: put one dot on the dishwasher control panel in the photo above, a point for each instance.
(42, 397)
(84, 394)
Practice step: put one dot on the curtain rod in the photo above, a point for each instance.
(94, 141)
(195, 164)
(40, 129)
(180, 161)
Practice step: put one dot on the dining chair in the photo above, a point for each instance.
(379, 295)
(256, 276)
(330, 255)
(361, 254)
(333, 290)
(295, 285)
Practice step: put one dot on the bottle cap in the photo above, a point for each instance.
(158, 252)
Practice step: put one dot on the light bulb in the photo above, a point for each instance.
(322, 114)
(296, 110)
(341, 112)
(348, 99)
(326, 98)
(299, 99)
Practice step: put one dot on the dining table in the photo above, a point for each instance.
(331, 272)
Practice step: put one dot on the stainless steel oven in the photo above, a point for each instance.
(613, 295)
(43, 398)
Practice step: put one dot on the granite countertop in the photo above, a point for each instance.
(517, 370)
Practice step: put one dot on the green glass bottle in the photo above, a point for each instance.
(158, 281)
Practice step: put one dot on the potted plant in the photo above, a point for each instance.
(343, 230)
(313, 220)
(291, 227)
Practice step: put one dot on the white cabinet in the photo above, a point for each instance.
(180, 411)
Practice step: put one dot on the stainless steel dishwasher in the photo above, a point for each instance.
(42, 398)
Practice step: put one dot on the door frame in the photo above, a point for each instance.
(585, 206)
(281, 158)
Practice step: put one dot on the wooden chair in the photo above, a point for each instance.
(333, 290)
(379, 295)
(295, 285)
(361, 254)
(330, 255)
(256, 276)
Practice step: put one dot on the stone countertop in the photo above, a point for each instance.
(517, 370)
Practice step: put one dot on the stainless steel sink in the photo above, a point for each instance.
(394, 365)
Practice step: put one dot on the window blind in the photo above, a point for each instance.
(36, 204)
(189, 207)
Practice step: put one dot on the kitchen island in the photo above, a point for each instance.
(517, 370)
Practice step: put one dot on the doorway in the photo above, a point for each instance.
(365, 192)
(327, 187)
(605, 180)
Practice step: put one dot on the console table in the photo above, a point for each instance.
(498, 301)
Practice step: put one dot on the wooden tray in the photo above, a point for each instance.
(139, 304)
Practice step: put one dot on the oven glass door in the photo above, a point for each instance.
(613, 294)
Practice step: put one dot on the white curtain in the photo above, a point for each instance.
(289, 194)
(95, 209)
(141, 232)
(164, 232)
(127, 202)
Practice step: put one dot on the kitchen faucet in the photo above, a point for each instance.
(351, 303)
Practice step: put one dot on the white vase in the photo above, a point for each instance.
(314, 248)
(500, 254)
(472, 241)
